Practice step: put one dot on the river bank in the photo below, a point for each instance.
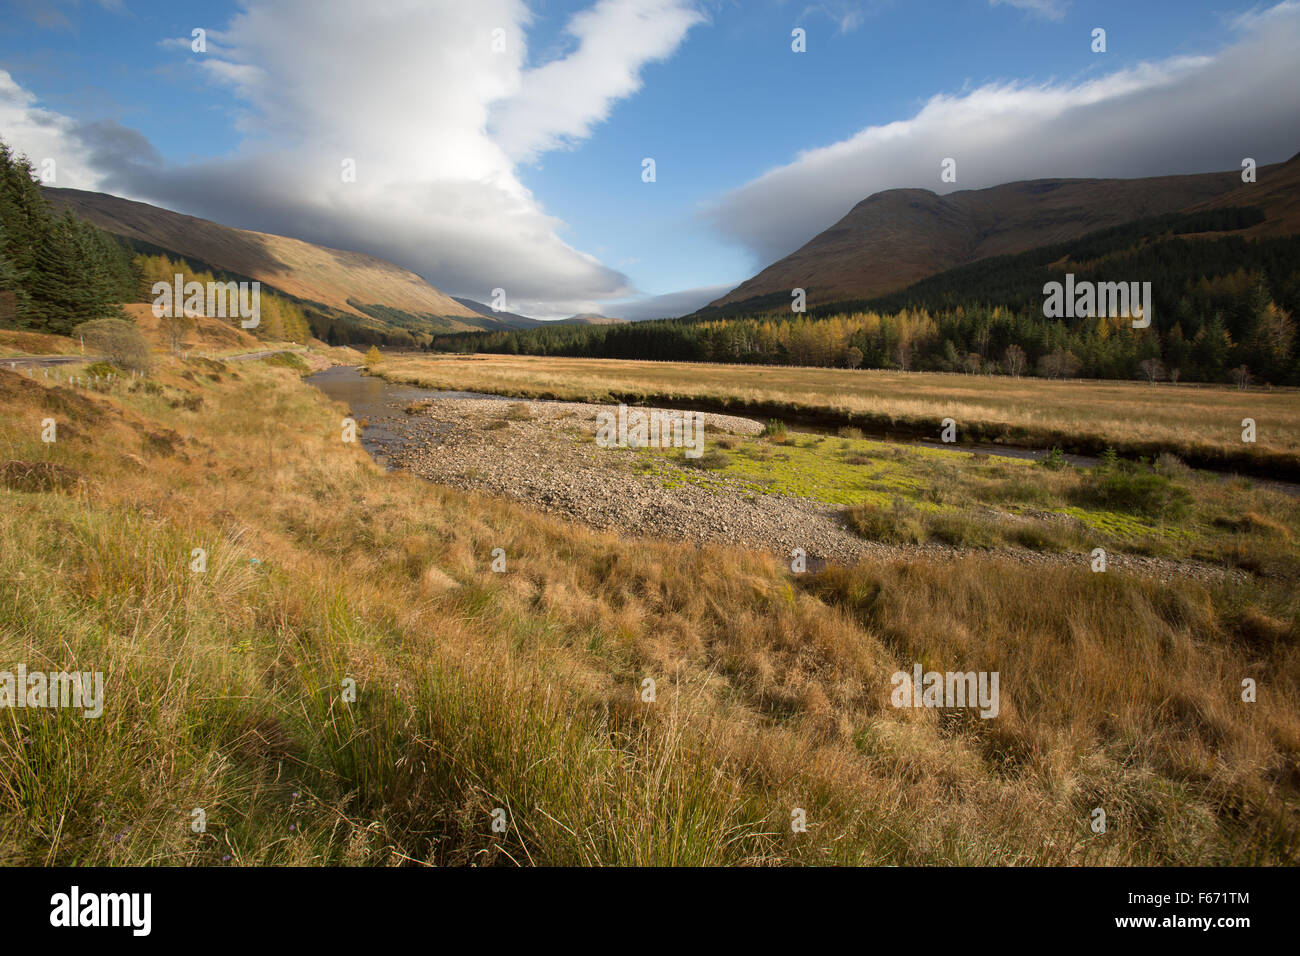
(543, 454)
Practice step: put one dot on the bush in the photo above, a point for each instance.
(287, 360)
(1054, 461)
(119, 341)
(1173, 466)
(775, 430)
(1134, 489)
(961, 530)
(898, 524)
(941, 483)
(711, 460)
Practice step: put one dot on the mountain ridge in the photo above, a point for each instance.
(351, 287)
(896, 237)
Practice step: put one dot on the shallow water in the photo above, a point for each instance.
(378, 406)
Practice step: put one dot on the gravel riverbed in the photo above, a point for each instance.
(543, 454)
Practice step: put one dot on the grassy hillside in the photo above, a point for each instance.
(897, 237)
(522, 690)
(357, 290)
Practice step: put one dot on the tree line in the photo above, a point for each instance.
(56, 271)
(281, 319)
(1223, 311)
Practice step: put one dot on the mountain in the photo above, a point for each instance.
(895, 238)
(350, 288)
(511, 320)
(1254, 228)
(590, 318)
(1276, 191)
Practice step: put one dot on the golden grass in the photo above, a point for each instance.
(19, 342)
(1199, 423)
(521, 690)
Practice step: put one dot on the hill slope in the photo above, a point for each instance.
(365, 290)
(1276, 192)
(510, 320)
(591, 318)
(897, 237)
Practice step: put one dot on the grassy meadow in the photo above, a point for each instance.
(1200, 424)
(523, 691)
(910, 494)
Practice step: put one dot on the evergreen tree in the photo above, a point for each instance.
(13, 297)
(55, 272)
(58, 299)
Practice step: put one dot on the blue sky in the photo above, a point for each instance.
(481, 171)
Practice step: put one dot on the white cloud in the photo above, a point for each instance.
(1049, 9)
(847, 15)
(1182, 115)
(561, 100)
(435, 120)
(43, 135)
(667, 306)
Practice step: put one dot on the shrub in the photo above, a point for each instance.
(287, 360)
(1134, 489)
(1173, 466)
(1054, 461)
(961, 530)
(897, 524)
(174, 328)
(119, 341)
(942, 483)
(711, 460)
(775, 430)
(37, 476)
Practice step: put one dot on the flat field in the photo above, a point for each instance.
(1202, 425)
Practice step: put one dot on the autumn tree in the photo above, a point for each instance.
(1152, 369)
(117, 340)
(1015, 360)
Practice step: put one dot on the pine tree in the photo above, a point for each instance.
(56, 299)
(13, 297)
(23, 210)
(59, 270)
